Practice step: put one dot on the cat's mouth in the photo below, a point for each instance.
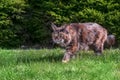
(60, 41)
(63, 43)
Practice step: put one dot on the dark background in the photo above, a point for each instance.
(28, 22)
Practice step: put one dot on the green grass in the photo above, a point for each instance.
(46, 64)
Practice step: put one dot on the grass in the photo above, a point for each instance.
(46, 64)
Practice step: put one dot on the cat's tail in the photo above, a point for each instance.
(110, 41)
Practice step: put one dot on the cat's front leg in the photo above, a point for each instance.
(70, 53)
(66, 57)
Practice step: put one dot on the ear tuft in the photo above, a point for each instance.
(54, 27)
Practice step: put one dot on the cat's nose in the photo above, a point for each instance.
(62, 41)
(56, 37)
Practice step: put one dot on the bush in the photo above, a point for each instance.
(28, 21)
(10, 17)
(106, 13)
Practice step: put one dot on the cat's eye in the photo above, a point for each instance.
(56, 34)
(62, 35)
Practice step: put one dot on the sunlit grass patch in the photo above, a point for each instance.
(45, 64)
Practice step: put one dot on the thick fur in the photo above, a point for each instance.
(110, 41)
(75, 36)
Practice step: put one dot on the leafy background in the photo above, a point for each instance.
(27, 22)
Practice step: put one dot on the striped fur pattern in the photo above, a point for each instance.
(76, 36)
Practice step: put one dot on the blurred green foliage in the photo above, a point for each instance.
(28, 21)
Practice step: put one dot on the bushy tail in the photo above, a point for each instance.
(110, 41)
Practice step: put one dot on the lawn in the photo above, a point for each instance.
(45, 64)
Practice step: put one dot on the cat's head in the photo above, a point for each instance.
(60, 35)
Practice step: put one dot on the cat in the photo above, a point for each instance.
(74, 35)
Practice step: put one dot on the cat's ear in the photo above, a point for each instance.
(54, 27)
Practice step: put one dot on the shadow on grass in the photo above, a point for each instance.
(106, 57)
(26, 59)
